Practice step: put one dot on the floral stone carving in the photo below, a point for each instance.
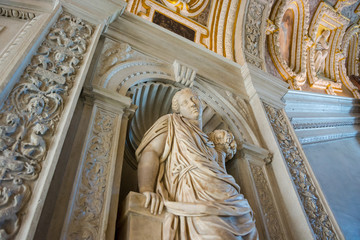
(30, 114)
(88, 207)
(315, 211)
(267, 203)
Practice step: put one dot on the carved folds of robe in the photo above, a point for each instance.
(202, 201)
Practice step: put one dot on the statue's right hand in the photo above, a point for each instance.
(154, 201)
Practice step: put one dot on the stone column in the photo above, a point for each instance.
(93, 205)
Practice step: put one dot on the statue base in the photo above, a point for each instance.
(136, 222)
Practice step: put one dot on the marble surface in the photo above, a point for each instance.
(337, 168)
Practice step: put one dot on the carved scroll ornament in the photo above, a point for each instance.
(314, 209)
(30, 115)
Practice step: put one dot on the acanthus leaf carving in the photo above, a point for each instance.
(88, 206)
(309, 196)
(30, 114)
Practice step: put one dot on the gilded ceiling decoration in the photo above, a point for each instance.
(313, 45)
(317, 52)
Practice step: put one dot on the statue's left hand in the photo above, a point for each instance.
(155, 202)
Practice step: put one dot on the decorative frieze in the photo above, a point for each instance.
(31, 113)
(15, 13)
(308, 193)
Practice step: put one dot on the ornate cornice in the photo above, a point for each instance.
(316, 213)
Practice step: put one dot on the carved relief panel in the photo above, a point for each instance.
(31, 114)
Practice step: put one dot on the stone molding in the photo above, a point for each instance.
(16, 13)
(318, 213)
(269, 88)
(268, 206)
(87, 211)
(317, 117)
(31, 114)
(141, 34)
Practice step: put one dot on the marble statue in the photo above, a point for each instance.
(179, 170)
(322, 51)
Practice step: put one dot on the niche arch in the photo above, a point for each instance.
(287, 40)
(349, 65)
(151, 84)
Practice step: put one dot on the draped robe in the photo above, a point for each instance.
(201, 199)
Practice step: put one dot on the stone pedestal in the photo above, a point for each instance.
(136, 222)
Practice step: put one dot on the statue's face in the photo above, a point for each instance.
(190, 106)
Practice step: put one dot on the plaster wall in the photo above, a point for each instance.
(337, 168)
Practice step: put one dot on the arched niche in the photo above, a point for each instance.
(287, 40)
(151, 85)
(349, 68)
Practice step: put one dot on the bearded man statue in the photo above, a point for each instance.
(179, 169)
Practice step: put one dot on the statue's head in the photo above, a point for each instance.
(224, 142)
(188, 104)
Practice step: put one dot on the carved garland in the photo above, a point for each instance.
(317, 215)
(294, 71)
(15, 13)
(30, 115)
(86, 214)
